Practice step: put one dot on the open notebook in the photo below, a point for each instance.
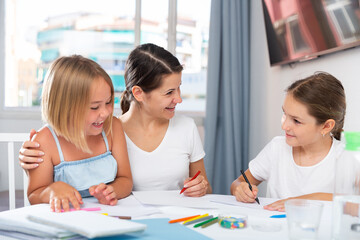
(88, 224)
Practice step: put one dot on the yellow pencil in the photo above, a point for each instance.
(201, 216)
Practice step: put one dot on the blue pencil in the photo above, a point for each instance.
(278, 216)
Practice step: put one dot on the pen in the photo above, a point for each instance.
(182, 219)
(184, 188)
(247, 180)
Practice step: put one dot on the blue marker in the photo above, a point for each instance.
(278, 216)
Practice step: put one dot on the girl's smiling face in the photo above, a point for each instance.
(100, 107)
(300, 127)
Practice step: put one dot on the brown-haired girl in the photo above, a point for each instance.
(300, 164)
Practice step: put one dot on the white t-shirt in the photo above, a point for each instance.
(275, 164)
(167, 166)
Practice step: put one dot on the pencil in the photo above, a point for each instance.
(211, 222)
(205, 222)
(205, 215)
(184, 188)
(182, 219)
(247, 180)
(199, 220)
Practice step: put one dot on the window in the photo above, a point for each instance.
(104, 31)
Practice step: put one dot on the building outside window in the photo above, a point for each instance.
(105, 32)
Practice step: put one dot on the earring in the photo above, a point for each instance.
(323, 134)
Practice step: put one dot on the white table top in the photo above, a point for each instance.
(272, 228)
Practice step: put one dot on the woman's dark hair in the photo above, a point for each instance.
(145, 67)
(324, 97)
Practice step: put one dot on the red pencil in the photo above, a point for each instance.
(184, 188)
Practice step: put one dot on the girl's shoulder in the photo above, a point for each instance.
(43, 134)
(45, 138)
(116, 124)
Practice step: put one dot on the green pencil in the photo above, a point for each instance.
(206, 223)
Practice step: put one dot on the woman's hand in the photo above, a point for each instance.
(104, 193)
(61, 194)
(243, 193)
(29, 156)
(197, 187)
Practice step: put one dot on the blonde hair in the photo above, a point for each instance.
(66, 97)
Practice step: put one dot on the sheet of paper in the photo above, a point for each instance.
(231, 200)
(128, 206)
(172, 198)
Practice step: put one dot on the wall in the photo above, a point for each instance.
(268, 83)
(267, 91)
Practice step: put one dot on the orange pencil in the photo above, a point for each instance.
(182, 219)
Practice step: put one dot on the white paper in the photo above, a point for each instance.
(172, 198)
(231, 200)
(128, 206)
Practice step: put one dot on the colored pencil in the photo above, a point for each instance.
(182, 219)
(204, 215)
(199, 220)
(205, 222)
(278, 216)
(184, 188)
(210, 222)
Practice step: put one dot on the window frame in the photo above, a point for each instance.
(34, 112)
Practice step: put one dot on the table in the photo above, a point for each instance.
(277, 228)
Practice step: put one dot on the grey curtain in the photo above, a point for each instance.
(228, 90)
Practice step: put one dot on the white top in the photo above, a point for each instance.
(167, 166)
(275, 164)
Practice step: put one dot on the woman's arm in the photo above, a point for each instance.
(240, 188)
(122, 185)
(29, 155)
(200, 185)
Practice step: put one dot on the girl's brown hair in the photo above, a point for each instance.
(324, 97)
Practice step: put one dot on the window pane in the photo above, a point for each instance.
(102, 31)
(192, 35)
(154, 22)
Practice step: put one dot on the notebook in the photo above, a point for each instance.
(15, 222)
(88, 224)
